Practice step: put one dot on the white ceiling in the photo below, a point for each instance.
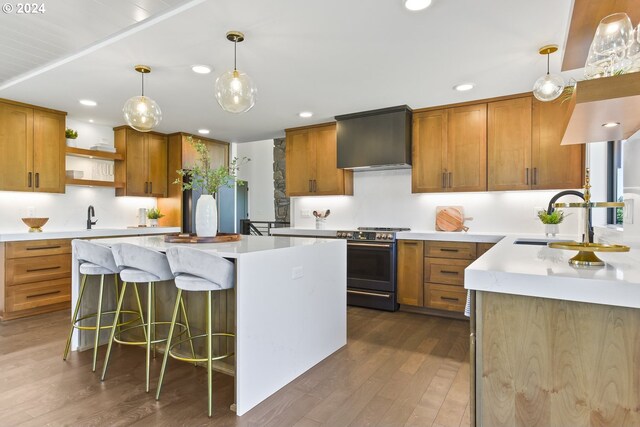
(330, 57)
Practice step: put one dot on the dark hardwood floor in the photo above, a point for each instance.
(398, 369)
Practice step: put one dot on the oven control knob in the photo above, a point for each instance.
(388, 236)
(349, 235)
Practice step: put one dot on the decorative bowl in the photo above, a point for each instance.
(35, 224)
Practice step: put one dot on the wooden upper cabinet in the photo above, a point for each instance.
(311, 159)
(509, 144)
(555, 166)
(49, 146)
(157, 165)
(429, 139)
(410, 272)
(32, 149)
(450, 150)
(144, 170)
(16, 148)
(466, 165)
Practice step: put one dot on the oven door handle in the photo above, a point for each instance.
(371, 294)
(370, 245)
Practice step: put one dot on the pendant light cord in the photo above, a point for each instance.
(548, 63)
(142, 75)
(235, 53)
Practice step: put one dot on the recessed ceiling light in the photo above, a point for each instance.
(204, 131)
(464, 87)
(611, 124)
(90, 120)
(201, 69)
(88, 102)
(305, 114)
(415, 5)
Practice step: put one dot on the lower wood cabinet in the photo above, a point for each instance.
(35, 278)
(431, 273)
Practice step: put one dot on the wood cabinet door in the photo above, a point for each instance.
(49, 146)
(157, 164)
(300, 155)
(16, 148)
(429, 141)
(555, 166)
(410, 272)
(136, 164)
(509, 145)
(329, 179)
(467, 148)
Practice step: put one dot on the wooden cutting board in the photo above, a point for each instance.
(450, 218)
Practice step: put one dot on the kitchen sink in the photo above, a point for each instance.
(533, 242)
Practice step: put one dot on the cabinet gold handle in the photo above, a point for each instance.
(444, 179)
(449, 299)
(449, 272)
(450, 179)
(448, 250)
(43, 294)
(150, 187)
(31, 270)
(37, 179)
(535, 176)
(526, 176)
(146, 187)
(29, 179)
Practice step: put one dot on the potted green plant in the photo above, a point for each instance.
(154, 215)
(71, 136)
(202, 176)
(551, 221)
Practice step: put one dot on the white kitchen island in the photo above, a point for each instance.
(290, 307)
(553, 344)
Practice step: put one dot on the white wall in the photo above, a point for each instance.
(69, 211)
(259, 173)
(631, 193)
(383, 198)
(597, 155)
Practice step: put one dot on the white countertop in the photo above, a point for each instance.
(83, 234)
(540, 271)
(246, 245)
(303, 232)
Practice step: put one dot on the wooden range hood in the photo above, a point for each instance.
(599, 101)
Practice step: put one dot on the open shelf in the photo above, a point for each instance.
(94, 183)
(93, 154)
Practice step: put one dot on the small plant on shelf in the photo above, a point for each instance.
(154, 213)
(555, 217)
(70, 133)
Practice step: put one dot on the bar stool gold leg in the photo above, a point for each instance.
(149, 331)
(113, 331)
(144, 330)
(98, 319)
(74, 317)
(117, 294)
(153, 297)
(186, 323)
(166, 351)
(209, 355)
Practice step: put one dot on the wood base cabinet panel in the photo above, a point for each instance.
(445, 297)
(410, 272)
(543, 362)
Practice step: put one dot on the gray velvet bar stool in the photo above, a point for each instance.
(96, 260)
(197, 271)
(139, 266)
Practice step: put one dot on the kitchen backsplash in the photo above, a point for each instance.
(384, 198)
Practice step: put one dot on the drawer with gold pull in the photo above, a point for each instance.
(445, 297)
(36, 248)
(446, 271)
(28, 270)
(33, 295)
(457, 250)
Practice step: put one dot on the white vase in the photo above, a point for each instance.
(551, 229)
(71, 142)
(153, 222)
(206, 216)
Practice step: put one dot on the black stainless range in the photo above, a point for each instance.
(371, 267)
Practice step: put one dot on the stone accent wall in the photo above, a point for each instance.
(280, 199)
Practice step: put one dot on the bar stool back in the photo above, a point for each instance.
(199, 271)
(95, 260)
(140, 265)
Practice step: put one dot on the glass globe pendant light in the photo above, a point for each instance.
(141, 112)
(235, 91)
(550, 86)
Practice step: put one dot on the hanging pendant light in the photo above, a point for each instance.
(548, 87)
(141, 112)
(235, 91)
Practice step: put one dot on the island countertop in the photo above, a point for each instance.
(246, 244)
(12, 236)
(540, 271)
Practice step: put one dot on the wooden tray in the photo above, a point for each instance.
(450, 218)
(192, 238)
